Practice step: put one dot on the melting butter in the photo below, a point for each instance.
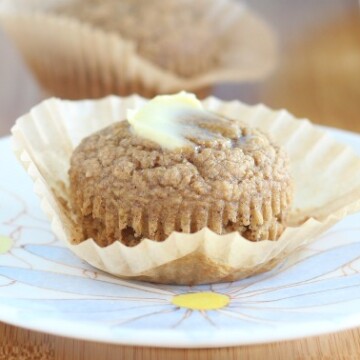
(172, 120)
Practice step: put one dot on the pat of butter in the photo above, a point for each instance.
(162, 119)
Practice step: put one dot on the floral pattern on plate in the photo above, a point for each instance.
(44, 286)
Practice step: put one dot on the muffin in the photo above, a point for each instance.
(175, 167)
(45, 142)
(179, 36)
(86, 49)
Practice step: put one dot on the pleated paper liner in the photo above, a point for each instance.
(326, 175)
(74, 60)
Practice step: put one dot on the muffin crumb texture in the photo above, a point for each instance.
(124, 187)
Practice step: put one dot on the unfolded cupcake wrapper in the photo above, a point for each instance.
(74, 60)
(326, 176)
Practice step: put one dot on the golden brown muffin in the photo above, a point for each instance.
(181, 36)
(125, 187)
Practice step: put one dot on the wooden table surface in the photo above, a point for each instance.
(318, 77)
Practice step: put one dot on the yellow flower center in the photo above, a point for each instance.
(5, 244)
(201, 301)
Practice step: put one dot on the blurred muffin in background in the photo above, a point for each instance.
(178, 36)
(92, 48)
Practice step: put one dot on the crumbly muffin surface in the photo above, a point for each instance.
(174, 35)
(128, 188)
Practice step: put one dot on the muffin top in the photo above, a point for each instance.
(236, 159)
(174, 149)
(179, 36)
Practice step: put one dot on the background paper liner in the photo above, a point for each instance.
(74, 60)
(327, 188)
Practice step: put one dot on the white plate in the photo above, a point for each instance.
(43, 286)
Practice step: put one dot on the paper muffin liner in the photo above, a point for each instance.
(326, 176)
(74, 60)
